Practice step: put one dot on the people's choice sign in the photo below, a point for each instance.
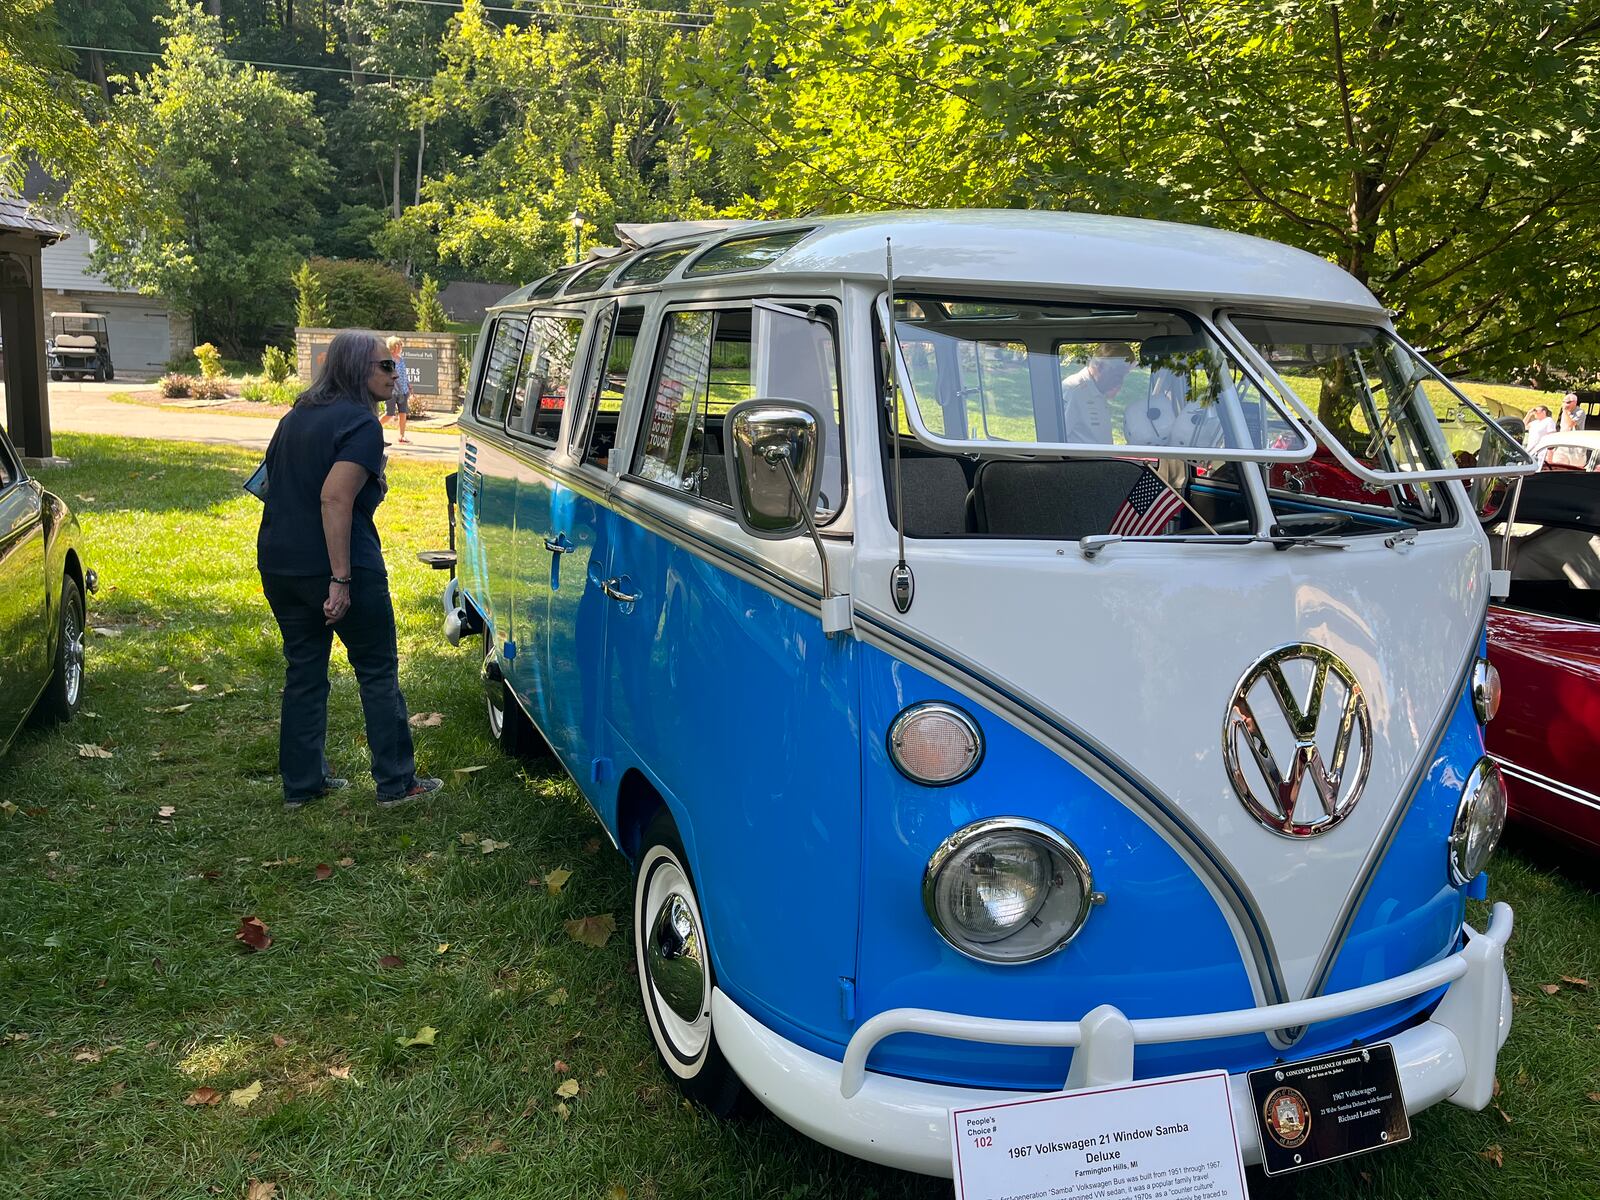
(1159, 1139)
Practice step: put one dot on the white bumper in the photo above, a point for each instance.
(905, 1123)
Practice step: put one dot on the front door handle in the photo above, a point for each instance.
(613, 588)
(558, 544)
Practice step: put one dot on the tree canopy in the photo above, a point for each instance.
(1447, 155)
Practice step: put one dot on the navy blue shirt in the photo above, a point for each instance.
(308, 441)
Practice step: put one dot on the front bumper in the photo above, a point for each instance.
(905, 1123)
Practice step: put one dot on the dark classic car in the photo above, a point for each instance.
(1544, 639)
(43, 584)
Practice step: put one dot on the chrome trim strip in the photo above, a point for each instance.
(1357, 895)
(1565, 791)
(1101, 764)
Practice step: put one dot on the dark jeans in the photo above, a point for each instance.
(368, 634)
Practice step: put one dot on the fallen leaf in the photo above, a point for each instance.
(560, 1067)
(86, 1056)
(1595, 1096)
(591, 931)
(340, 1072)
(162, 670)
(203, 1096)
(442, 947)
(562, 1110)
(17, 1037)
(8, 808)
(469, 838)
(197, 687)
(556, 880)
(1574, 981)
(529, 1108)
(1496, 1092)
(347, 862)
(567, 1089)
(489, 845)
(1494, 1154)
(253, 933)
(1505, 1116)
(258, 1190)
(557, 997)
(471, 770)
(106, 630)
(425, 720)
(87, 750)
(84, 712)
(279, 1040)
(424, 1037)
(533, 881)
(1549, 989)
(391, 960)
(166, 812)
(591, 845)
(323, 873)
(246, 1096)
(116, 1089)
(616, 1192)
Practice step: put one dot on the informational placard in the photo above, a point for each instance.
(422, 364)
(1328, 1108)
(1156, 1139)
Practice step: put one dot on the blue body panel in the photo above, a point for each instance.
(766, 740)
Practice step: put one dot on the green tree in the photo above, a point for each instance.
(366, 295)
(232, 160)
(311, 299)
(1447, 155)
(569, 114)
(431, 316)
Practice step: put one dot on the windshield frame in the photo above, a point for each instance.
(1430, 426)
(1231, 353)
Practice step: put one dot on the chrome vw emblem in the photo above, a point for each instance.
(1333, 718)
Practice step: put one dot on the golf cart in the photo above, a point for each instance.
(79, 346)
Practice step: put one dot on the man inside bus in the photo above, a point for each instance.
(1086, 394)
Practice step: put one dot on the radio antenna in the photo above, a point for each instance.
(901, 583)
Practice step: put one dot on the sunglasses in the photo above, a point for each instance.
(386, 364)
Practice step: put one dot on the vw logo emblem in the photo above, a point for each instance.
(1328, 742)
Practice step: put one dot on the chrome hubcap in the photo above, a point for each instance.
(72, 652)
(674, 958)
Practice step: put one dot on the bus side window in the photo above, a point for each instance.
(500, 368)
(609, 365)
(703, 370)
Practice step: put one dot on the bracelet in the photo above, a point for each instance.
(336, 579)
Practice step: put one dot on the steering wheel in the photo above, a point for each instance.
(1308, 523)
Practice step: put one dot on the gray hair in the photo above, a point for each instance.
(344, 370)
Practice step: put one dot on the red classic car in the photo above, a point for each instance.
(1544, 639)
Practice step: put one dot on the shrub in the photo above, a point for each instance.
(364, 295)
(311, 302)
(276, 365)
(268, 391)
(210, 389)
(174, 386)
(431, 316)
(210, 359)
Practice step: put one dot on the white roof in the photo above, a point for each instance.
(1589, 439)
(641, 236)
(1055, 249)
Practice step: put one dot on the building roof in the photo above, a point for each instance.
(18, 216)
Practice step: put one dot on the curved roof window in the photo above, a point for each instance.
(652, 267)
(589, 278)
(550, 284)
(747, 253)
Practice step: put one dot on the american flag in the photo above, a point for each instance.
(1149, 507)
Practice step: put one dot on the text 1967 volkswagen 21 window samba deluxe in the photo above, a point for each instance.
(944, 615)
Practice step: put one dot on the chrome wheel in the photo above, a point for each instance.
(672, 965)
(72, 649)
(497, 712)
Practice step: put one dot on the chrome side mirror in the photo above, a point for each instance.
(773, 452)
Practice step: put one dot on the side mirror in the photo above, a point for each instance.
(762, 438)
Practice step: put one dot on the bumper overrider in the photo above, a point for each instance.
(905, 1123)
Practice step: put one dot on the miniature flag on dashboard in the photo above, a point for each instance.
(1149, 507)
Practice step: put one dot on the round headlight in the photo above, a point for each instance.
(935, 744)
(1480, 819)
(1485, 690)
(1007, 890)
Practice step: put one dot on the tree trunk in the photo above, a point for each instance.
(396, 192)
(422, 143)
(97, 72)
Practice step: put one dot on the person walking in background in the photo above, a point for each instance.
(1540, 426)
(322, 571)
(398, 405)
(1569, 420)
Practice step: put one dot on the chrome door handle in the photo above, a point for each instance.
(558, 544)
(613, 588)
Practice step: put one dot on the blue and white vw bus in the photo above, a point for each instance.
(1016, 651)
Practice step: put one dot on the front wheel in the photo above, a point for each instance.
(62, 697)
(675, 974)
(508, 724)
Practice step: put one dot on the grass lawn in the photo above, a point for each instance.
(123, 990)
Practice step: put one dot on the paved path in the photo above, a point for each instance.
(86, 408)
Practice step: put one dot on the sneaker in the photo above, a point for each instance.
(419, 787)
(330, 783)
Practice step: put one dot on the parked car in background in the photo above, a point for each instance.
(1544, 638)
(79, 345)
(1572, 450)
(43, 585)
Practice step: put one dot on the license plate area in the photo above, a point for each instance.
(1327, 1108)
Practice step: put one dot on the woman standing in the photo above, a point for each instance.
(322, 570)
(398, 405)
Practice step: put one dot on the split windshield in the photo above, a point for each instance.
(1101, 381)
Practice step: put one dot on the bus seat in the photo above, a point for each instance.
(1056, 499)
